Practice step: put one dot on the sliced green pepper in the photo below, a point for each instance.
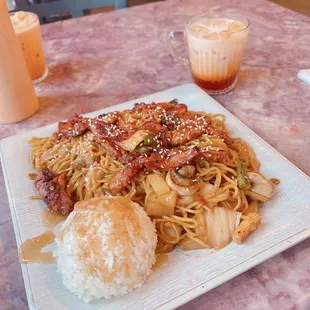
(242, 177)
(142, 149)
(148, 141)
(174, 101)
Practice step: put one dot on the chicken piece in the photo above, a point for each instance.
(109, 118)
(146, 112)
(117, 152)
(178, 108)
(152, 127)
(144, 109)
(214, 156)
(220, 134)
(189, 129)
(126, 127)
(175, 158)
(53, 190)
(106, 131)
(75, 125)
(185, 130)
(246, 227)
(123, 177)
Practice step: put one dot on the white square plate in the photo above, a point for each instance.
(185, 275)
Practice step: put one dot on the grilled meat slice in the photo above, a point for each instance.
(53, 190)
(214, 156)
(123, 177)
(73, 127)
(152, 127)
(109, 118)
(181, 130)
(147, 110)
(106, 131)
(174, 158)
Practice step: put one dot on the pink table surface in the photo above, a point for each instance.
(101, 60)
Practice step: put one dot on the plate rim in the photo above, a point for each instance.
(16, 228)
(199, 289)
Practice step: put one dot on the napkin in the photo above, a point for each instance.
(304, 75)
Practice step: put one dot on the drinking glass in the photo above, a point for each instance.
(28, 30)
(18, 99)
(215, 50)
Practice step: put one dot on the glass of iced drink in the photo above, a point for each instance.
(27, 28)
(215, 50)
(18, 99)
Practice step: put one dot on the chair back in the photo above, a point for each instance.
(73, 8)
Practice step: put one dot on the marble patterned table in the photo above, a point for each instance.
(101, 60)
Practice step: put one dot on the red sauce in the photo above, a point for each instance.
(215, 85)
(201, 199)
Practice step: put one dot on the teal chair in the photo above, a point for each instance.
(74, 8)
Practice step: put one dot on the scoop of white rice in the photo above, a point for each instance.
(105, 248)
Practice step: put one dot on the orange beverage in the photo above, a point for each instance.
(28, 31)
(17, 96)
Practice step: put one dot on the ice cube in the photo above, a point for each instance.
(235, 26)
(25, 18)
(219, 23)
(212, 36)
(200, 28)
(225, 35)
